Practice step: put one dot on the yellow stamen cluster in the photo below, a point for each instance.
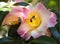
(33, 19)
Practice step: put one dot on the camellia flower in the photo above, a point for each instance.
(35, 20)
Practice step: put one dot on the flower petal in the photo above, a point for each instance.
(11, 20)
(44, 15)
(27, 36)
(42, 9)
(20, 9)
(43, 28)
(52, 21)
(35, 34)
(23, 29)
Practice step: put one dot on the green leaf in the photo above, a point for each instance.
(53, 4)
(34, 2)
(3, 30)
(5, 9)
(2, 15)
(55, 33)
(13, 31)
(28, 1)
(9, 40)
(3, 0)
(21, 3)
(6, 39)
(43, 40)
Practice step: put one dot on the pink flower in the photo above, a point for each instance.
(40, 27)
(35, 20)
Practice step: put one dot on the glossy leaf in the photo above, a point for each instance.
(28, 1)
(9, 40)
(13, 31)
(21, 3)
(3, 0)
(43, 40)
(55, 33)
(2, 15)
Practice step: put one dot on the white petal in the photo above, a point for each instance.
(44, 15)
(42, 8)
(35, 34)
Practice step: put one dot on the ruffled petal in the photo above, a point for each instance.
(20, 9)
(52, 21)
(42, 9)
(11, 20)
(43, 28)
(44, 15)
(23, 30)
(43, 12)
(35, 34)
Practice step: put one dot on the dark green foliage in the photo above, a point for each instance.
(3, 0)
(2, 15)
(13, 31)
(8, 40)
(43, 40)
(21, 3)
(28, 1)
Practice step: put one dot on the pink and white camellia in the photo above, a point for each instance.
(35, 20)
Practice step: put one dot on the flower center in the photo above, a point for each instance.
(33, 19)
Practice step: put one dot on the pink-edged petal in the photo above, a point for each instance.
(20, 9)
(44, 15)
(23, 29)
(27, 36)
(52, 21)
(35, 34)
(42, 9)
